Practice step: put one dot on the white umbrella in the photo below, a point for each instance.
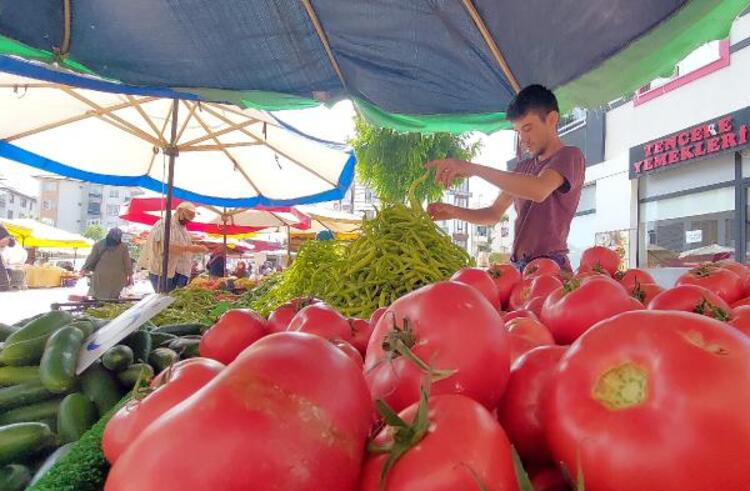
(227, 157)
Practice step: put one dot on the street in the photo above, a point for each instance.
(17, 305)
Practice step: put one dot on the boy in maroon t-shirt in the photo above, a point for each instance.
(544, 189)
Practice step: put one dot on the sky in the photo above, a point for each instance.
(335, 123)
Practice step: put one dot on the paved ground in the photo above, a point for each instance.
(17, 305)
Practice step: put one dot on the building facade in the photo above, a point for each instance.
(73, 205)
(673, 185)
(15, 204)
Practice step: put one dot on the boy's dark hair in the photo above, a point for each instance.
(534, 98)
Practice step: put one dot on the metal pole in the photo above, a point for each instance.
(288, 245)
(224, 219)
(171, 151)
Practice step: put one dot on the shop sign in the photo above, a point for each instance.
(693, 236)
(725, 134)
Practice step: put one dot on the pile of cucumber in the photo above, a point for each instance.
(45, 406)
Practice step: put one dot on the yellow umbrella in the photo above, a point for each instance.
(32, 233)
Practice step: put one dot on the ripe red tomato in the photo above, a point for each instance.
(280, 318)
(506, 276)
(292, 412)
(740, 270)
(361, 332)
(432, 322)
(600, 259)
(692, 298)
(482, 281)
(571, 310)
(322, 320)
(185, 378)
(376, 315)
(509, 316)
(520, 410)
(723, 282)
(463, 448)
(741, 302)
(350, 351)
(645, 292)
(741, 319)
(233, 332)
(549, 479)
(541, 266)
(525, 335)
(535, 305)
(623, 404)
(535, 286)
(629, 278)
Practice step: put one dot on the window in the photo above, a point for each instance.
(587, 203)
(460, 226)
(50, 186)
(23, 202)
(10, 213)
(687, 230)
(113, 210)
(114, 193)
(11, 198)
(482, 230)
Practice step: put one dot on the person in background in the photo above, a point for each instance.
(6, 240)
(181, 249)
(241, 270)
(217, 262)
(544, 189)
(110, 267)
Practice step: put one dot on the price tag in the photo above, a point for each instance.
(119, 327)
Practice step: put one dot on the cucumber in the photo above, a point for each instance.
(140, 342)
(23, 394)
(25, 321)
(98, 323)
(161, 358)
(50, 461)
(26, 346)
(74, 417)
(185, 347)
(6, 330)
(86, 326)
(161, 338)
(181, 329)
(58, 366)
(14, 477)
(135, 372)
(100, 386)
(21, 440)
(118, 358)
(39, 411)
(18, 375)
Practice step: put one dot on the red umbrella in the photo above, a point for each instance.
(211, 220)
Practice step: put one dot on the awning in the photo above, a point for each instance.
(32, 233)
(421, 65)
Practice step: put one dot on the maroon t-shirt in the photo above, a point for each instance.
(541, 229)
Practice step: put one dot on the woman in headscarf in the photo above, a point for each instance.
(110, 265)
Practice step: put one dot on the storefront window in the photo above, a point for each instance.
(581, 237)
(686, 230)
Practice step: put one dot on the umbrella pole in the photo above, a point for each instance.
(288, 245)
(171, 151)
(224, 218)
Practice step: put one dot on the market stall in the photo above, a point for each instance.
(33, 234)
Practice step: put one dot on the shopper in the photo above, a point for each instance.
(544, 188)
(217, 262)
(110, 267)
(181, 249)
(241, 270)
(6, 240)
